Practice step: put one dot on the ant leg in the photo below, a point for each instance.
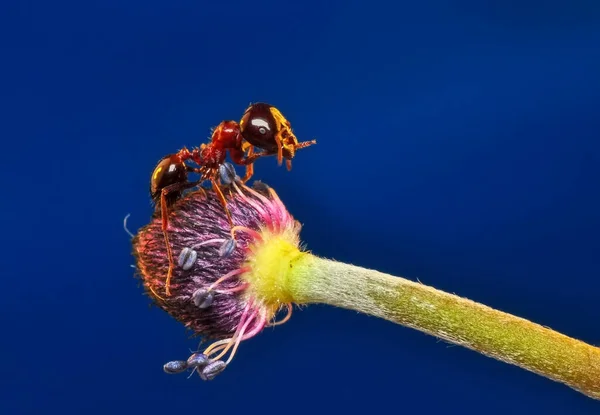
(249, 166)
(251, 159)
(279, 149)
(221, 197)
(282, 125)
(195, 170)
(240, 157)
(165, 224)
(255, 156)
(248, 159)
(214, 179)
(249, 172)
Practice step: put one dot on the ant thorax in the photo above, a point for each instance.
(212, 156)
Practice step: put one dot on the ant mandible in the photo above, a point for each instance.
(262, 126)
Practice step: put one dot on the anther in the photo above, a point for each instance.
(227, 173)
(187, 258)
(261, 187)
(197, 360)
(227, 248)
(175, 366)
(203, 298)
(211, 370)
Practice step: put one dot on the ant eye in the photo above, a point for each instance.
(258, 126)
(168, 171)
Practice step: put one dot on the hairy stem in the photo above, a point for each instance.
(457, 320)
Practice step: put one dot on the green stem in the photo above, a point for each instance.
(457, 320)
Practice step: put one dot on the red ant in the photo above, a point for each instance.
(262, 126)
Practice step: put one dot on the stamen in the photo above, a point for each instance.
(217, 346)
(175, 367)
(228, 276)
(239, 288)
(253, 332)
(285, 216)
(227, 247)
(125, 226)
(187, 257)
(259, 326)
(227, 173)
(212, 370)
(277, 221)
(237, 338)
(221, 346)
(210, 348)
(208, 242)
(256, 194)
(203, 298)
(257, 236)
(286, 318)
(266, 214)
(197, 359)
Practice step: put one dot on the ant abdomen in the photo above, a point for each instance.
(169, 171)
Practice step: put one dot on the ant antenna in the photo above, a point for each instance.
(125, 226)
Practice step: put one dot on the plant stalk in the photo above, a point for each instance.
(457, 320)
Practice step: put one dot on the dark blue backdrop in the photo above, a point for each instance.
(458, 144)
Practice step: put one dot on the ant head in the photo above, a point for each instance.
(169, 172)
(227, 135)
(259, 127)
(264, 126)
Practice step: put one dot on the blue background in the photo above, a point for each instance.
(458, 144)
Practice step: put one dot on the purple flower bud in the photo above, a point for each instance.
(198, 217)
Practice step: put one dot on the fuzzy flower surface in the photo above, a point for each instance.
(209, 291)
